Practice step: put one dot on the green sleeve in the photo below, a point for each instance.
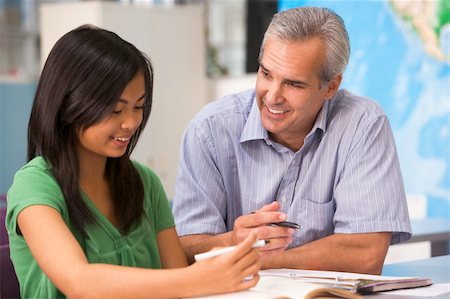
(33, 184)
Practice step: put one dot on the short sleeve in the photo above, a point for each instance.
(199, 203)
(370, 195)
(156, 203)
(33, 184)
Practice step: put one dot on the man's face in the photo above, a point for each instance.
(289, 91)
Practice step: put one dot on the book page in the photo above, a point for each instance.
(299, 289)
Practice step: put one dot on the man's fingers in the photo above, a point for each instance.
(272, 231)
(277, 243)
(259, 218)
(273, 206)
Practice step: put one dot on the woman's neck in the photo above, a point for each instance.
(92, 170)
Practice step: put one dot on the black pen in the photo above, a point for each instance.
(287, 224)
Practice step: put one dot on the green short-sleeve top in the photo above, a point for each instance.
(34, 184)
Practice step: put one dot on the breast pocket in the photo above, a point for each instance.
(315, 218)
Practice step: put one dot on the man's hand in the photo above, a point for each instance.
(278, 238)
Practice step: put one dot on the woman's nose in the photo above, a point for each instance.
(131, 121)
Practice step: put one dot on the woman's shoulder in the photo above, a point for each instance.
(36, 170)
(153, 188)
(149, 177)
(37, 163)
(144, 170)
(34, 184)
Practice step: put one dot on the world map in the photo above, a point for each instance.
(400, 57)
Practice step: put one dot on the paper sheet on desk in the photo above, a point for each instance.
(291, 273)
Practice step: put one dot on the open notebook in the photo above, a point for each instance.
(299, 284)
(353, 282)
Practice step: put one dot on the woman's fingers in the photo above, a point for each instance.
(243, 248)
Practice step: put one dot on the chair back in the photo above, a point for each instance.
(9, 285)
(3, 233)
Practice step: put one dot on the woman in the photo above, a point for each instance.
(83, 219)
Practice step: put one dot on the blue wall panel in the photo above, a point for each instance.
(15, 105)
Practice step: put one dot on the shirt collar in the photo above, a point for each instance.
(321, 120)
(254, 130)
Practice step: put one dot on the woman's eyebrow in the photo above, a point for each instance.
(126, 102)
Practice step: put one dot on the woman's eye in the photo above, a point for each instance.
(139, 107)
(116, 111)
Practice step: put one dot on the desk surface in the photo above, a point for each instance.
(436, 268)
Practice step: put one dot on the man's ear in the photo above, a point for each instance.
(333, 86)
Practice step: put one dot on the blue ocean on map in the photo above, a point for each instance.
(390, 63)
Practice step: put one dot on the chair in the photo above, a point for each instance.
(9, 285)
(3, 233)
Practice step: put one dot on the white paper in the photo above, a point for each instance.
(325, 274)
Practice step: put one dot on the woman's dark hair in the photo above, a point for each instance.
(82, 80)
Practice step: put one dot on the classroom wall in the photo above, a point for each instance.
(16, 99)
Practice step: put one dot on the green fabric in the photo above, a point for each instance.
(34, 184)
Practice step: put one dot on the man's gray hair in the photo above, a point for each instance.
(304, 23)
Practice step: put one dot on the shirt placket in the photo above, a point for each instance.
(286, 190)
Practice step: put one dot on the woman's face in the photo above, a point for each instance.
(111, 136)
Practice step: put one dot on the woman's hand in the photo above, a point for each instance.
(230, 272)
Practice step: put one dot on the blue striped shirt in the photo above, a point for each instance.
(344, 179)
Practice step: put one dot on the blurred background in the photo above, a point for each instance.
(203, 49)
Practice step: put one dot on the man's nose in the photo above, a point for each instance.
(274, 94)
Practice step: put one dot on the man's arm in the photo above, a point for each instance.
(277, 238)
(194, 244)
(361, 253)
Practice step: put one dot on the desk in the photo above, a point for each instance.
(436, 231)
(436, 268)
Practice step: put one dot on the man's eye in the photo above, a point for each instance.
(294, 84)
(265, 73)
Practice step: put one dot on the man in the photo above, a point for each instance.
(299, 149)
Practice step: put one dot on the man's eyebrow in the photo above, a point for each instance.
(126, 102)
(263, 67)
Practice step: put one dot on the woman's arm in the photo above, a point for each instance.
(61, 258)
(170, 250)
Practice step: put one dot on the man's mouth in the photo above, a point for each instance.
(276, 111)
